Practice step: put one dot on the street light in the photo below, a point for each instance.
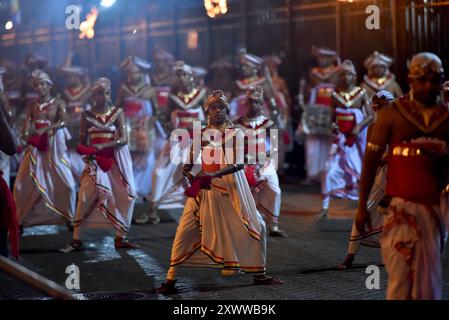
(107, 3)
(9, 25)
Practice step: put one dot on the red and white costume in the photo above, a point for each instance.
(221, 227)
(107, 192)
(168, 192)
(344, 164)
(142, 136)
(387, 82)
(44, 190)
(316, 124)
(264, 182)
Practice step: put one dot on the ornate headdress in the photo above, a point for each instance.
(39, 75)
(347, 66)
(135, 61)
(102, 83)
(250, 59)
(423, 63)
(323, 52)
(378, 59)
(182, 66)
(216, 96)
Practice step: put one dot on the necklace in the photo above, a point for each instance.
(43, 106)
(188, 97)
(103, 115)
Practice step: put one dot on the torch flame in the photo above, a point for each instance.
(87, 26)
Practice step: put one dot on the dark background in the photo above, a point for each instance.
(288, 28)
(285, 27)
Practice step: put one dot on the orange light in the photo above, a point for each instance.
(87, 26)
(215, 8)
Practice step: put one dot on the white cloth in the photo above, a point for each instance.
(5, 166)
(317, 149)
(144, 162)
(377, 218)
(267, 193)
(411, 243)
(168, 187)
(106, 199)
(344, 166)
(45, 180)
(221, 228)
(76, 163)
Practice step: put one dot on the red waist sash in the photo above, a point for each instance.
(346, 123)
(324, 96)
(132, 107)
(40, 141)
(104, 157)
(410, 174)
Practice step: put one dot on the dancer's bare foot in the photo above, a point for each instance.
(121, 243)
(74, 245)
(278, 233)
(167, 288)
(323, 214)
(347, 264)
(148, 217)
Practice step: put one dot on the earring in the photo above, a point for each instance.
(208, 120)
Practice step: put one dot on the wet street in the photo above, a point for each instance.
(306, 260)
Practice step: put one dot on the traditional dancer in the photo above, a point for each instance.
(163, 78)
(255, 73)
(220, 226)
(185, 107)
(76, 94)
(316, 120)
(352, 115)
(262, 176)
(414, 127)
(139, 101)
(107, 193)
(8, 215)
(44, 190)
(377, 202)
(379, 76)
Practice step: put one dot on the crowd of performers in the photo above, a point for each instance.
(83, 160)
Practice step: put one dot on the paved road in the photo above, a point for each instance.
(305, 260)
